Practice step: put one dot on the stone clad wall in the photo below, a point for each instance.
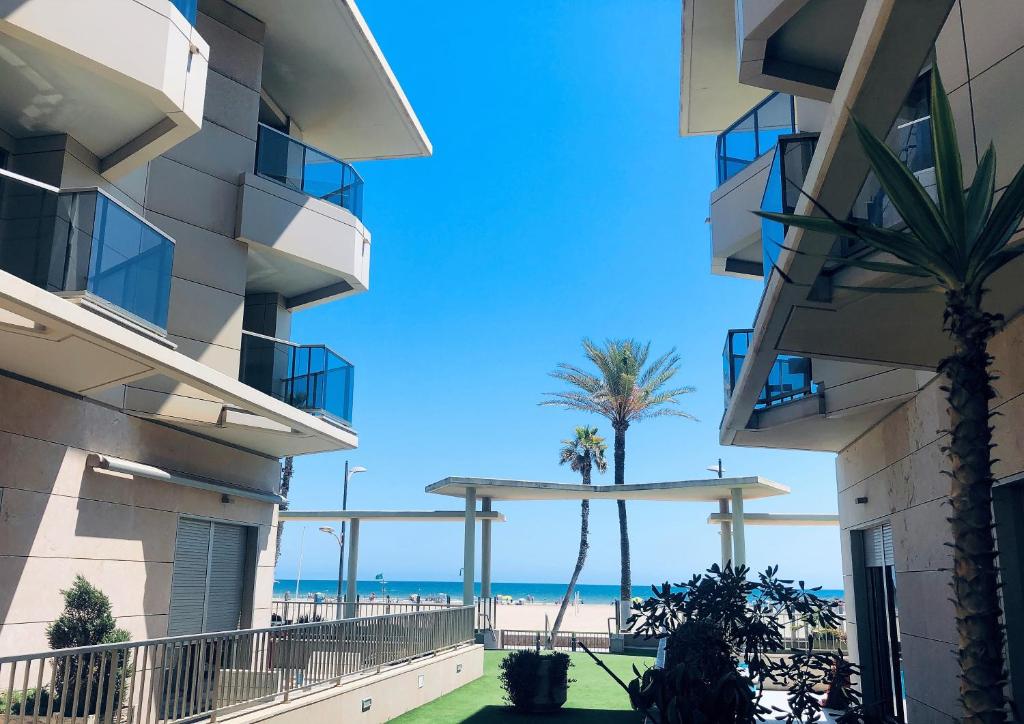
(59, 518)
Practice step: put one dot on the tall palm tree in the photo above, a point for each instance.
(955, 245)
(625, 389)
(584, 452)
(286, 484)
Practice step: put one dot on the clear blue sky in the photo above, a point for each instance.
(560, 203)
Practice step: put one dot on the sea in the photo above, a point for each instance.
(540, 592)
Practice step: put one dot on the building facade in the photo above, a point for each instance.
(826, 367)
(170, 193)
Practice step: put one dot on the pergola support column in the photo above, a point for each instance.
(485, 551)
(353, 566)
(725, 528)
(739, 542)
(469, 552)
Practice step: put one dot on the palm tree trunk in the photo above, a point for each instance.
(975, 575)
(625, 576)
(580, 560)
(286, 484)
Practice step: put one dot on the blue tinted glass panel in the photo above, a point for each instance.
(187, 8)
(754, 134)
(305, 169)
(788, 379)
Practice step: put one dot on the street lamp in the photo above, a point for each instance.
(341, 538)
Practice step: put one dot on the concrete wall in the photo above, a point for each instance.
(897, 465)
(59, 518)
(391, 693)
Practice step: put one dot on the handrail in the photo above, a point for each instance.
(310, 146)
(194, 677)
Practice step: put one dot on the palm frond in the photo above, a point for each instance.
(949, 177)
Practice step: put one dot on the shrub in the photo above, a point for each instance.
(87, 620)
(519, 675)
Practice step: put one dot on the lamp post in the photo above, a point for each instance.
(341, 540)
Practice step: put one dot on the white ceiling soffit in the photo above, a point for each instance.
(324, 68)
(710, 94)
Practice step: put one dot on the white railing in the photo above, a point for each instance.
(198, 677)
(287, 611)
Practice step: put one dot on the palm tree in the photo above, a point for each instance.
(286, 484)
(955, 245)
(625, 390)
(583, 452)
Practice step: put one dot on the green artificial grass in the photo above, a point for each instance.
(593, 697)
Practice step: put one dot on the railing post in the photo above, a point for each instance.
(380, 643)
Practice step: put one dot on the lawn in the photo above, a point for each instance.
(593, 697)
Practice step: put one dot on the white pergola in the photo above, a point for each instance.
(731, 519)
(486, 517)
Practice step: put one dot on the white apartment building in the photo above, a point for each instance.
(172, 189)
(826, 368)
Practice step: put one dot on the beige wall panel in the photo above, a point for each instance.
(993, 29)
(33, 412)
(205, 314)
(135, 588)
(231, 53)
(232, 105)
(189, 195)
(218, 151)
(929, 593)
(931, 674)
(950, 52)
(204, 256)
(920, 535)
(997, 113)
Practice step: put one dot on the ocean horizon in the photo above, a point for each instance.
(540, 592)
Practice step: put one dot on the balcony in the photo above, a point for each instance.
(754, 134)
(786, 178)
(127, 96)
(788, 380)
(312, 378)
(289, 162)
(82, 243)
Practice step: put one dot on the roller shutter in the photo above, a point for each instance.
(878, 549)
(208, 577)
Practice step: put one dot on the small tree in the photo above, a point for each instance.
(87, 620)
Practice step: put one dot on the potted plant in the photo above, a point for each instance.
(534, 682)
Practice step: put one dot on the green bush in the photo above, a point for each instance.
(87, 620)
(519, 675)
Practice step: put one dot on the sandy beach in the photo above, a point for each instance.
(530, 616)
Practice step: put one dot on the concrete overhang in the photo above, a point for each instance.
(798, 519)
(323, 67)
(708, 490)
(53, 341)
(125, 78)
(389, 516)
(796, 46)
(308, 250)
(893, 38)
(711, 96)
(735, 232)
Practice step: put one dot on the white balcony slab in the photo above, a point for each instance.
(126, 95)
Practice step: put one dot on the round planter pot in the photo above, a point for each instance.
(549, 696)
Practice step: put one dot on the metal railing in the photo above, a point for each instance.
(292, 611)
(83, 241)
(198, 677)
(287, 611)
(308, 170)
(789, 378)
(311, 377)
(564, 641)
(753, 134)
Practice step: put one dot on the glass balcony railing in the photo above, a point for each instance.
(754, 134)
(309, 377)
(83, 241)
(786, 177)
(187, 8)
(789, 378)
(283, 159)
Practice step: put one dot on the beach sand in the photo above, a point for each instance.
(530, 616)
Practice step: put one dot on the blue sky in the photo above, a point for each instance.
(560, 203)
